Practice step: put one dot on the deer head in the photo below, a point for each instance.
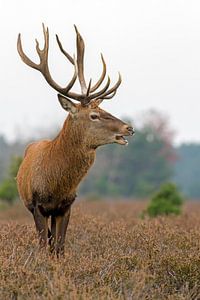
(96, 126)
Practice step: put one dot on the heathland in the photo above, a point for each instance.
(111, 253)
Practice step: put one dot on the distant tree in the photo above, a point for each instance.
(8, 150)
(8, 191)
(187, 169)
(8, 188)
(3, 156)
(14, 166)
(166, 201)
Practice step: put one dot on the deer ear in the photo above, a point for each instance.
(67, 104)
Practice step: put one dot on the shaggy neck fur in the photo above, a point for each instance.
(72, 135)
(75, 156)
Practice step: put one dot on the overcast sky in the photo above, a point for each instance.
(154, 44)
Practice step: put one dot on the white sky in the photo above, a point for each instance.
(154, 43)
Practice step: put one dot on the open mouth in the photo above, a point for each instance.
(121, 140)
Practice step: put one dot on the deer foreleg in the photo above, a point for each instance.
(41, 223)
(61, 228)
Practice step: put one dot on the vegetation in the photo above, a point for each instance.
(167, 201)
(110, 254)
(137, 170)
(8, 188)
(7, 151)
(187, 170)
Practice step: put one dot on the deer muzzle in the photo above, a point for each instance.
(120, 138)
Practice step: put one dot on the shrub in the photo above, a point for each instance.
(166, 201)
(8, 188)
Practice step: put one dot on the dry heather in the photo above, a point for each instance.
(110, 254)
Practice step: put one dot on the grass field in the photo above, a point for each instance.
(110, 254)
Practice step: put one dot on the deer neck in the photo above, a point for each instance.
(72, 137)
(76, 155)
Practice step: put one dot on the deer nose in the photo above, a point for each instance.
(130, 129)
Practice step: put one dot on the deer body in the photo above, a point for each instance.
(52, 169)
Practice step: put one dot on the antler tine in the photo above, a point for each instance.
(63, 50)
(98, 94)
(99, 100)
(95, 87)
(43, 53)
(23, 56)
(111, 96)
(43, 66)
(71, 83)
(89, 88)
(113, 90)
(86, 100)
(27, 60)
(80, 60)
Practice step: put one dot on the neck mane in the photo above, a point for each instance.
(75, 155)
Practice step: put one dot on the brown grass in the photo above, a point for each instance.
(110, 254)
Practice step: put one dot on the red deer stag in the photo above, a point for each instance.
(52, 169)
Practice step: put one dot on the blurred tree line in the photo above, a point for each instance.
(187, 169)
(7, 151)
(134, 171)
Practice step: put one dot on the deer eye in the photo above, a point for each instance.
(94, 116)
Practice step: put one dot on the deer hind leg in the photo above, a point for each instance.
(61, 228)
(41, 223)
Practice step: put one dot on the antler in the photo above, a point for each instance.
(87, 92)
